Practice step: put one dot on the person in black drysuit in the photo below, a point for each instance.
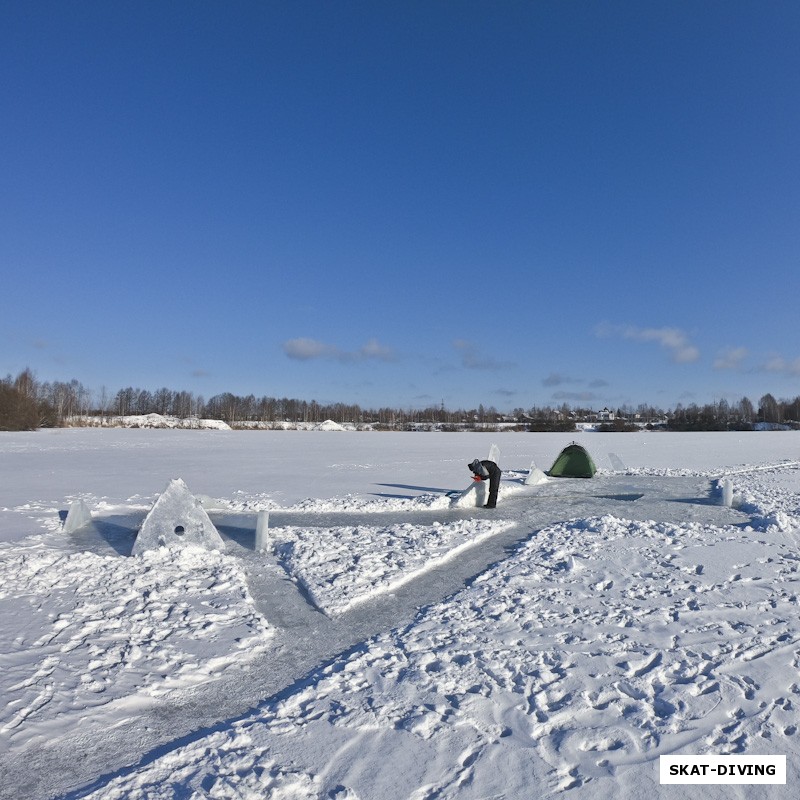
(482, 470)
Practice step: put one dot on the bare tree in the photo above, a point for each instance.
(768, 409)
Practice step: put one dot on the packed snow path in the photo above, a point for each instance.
(305, 640)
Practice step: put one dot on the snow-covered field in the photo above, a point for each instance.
(393, 640)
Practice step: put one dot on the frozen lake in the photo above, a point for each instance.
(126, 674)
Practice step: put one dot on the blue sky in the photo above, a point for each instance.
(404, 203)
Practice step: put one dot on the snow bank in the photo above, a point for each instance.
(348, 503)
(284, 425)
(342, 566)
(153, 421)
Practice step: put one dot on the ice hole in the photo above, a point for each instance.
(180, 530)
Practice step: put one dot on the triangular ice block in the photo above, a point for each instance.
(177, 518)
(77, 516)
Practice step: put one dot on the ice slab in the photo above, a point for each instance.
(177, 518)
(617, 463)
(727, 493)
(262, 531)
(77, 516)
(535, 476)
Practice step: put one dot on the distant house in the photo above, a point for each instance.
(605, 416)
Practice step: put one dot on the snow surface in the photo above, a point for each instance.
(393, 640)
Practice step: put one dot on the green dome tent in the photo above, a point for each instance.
(573, 462)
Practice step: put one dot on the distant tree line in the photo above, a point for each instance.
(27, 404)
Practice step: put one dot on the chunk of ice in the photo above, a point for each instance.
(177, 518)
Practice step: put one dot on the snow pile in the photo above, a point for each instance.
(285, 425)
(156, 421)
(342, 566)
(83, 630)
(329, 425)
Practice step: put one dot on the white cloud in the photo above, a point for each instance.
(675, 341)
(373, 349)
(557, 379)
(781, 365)
(581, 397)
(731, 358)
(305, 349)
(471, 358)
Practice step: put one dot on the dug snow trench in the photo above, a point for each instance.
(305, 639)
